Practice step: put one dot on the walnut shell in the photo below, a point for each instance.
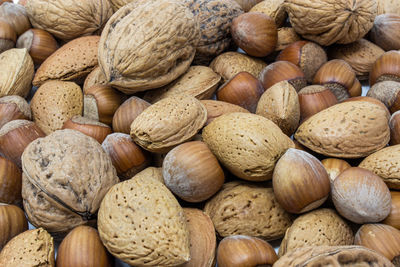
(167, 123)
(248, 145)
(16, 72)
(65, 176)
(244, 209)
(69, 19)
(322, 227)
(147, 44)
(215, 19)
(332, 21)
(141, 223)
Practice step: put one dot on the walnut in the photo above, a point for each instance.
(147, 44)
(68, 19)
(65, 176)
(331, 21)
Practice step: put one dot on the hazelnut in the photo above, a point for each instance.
(283, 71)
(246, 5)
(241, 250)
(13, 107)
(385, 31)
(307, 55)
(8, 36)
(313, 99)
(382, 238)
(12, 223)
(394, 216)
(10, 182)
(83, 247)
(361, 196)
(388, 93)
(16, 16)
(334, 167)
(127, 157)
(255, 33)
(386, 68)
(40, 44)
(217, 108)
(304, 189)
(192, 172)
(127, 113)
(394, 124)
(339, 77)
(90, 127)
(243, 90)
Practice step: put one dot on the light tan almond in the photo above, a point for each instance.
(347, 130)
(272, 8)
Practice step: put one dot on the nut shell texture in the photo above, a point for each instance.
(69, 19)
(169, 122)
(247, 144)
(244, 209)
(347, 130)
(332, 21)
(141, 223)
(147, 44)
(65, 176)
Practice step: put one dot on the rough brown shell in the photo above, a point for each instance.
(69, 19)
(141, 223)
(349, 130)
(167, 123)
(245, 209)
(314, 19)
(65, 176)
(147, 44)
(247, 144)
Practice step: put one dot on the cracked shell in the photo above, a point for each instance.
(147, 44)
(351, 129)
(248, 145)
(141, 223)
(69, 19)
(331, 21)
(167, 123)
(65, 176)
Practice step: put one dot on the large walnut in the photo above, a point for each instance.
(332, 21)
(147, 44)
(65, 176)
(215, 19)
(68, 19)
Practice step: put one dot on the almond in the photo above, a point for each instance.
(347, 130)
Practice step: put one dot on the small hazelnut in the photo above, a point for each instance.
(127, 113)
(12, 223)
(16, 16)
(14, 107)
(92, 128)
(8, 36)
(10, 182)
(283, 71)
(388, 92)
(386, 68)
(385, 32)
(394, 216)
(394, 124)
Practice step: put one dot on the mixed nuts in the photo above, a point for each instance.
(199, 133)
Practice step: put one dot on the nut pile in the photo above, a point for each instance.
(199, 132)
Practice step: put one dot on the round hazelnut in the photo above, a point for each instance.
(8, 36)
(192, 172)
(14, 107)
(394, 124)
(12, 223)
(90, 127)
(385, 31)
(10, 182)
(394, 216)
(361, 196)
(127, 113)
(387, 92)
(16, 16)
(386, 68)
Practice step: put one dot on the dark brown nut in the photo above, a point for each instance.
(65, 176)
(385, 31)
(10, 183)
(394, 216)
(394, 124)
(243, 90)
(138, 61)
(388, 92)
(360, 55)
(282, 71)
(322, 227)
(15, 136)
(333, 255)
(192, 172)
(89, 127)
(67, 20)
(314, 21)
(127, 113)
(244, 209)
(386, 68)
(167, 123)
(339, 77)
(127, 157)
(14, 107)
(361, 196)
(307, 55)
(217, 108)
(12, 223)
(255, 33)
(272, 8)
(215, 19)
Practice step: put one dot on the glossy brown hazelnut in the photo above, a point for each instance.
(8, 37)
(40, 44)
(308, 56)
(243, 90)
(10, 182)
(127, 157)
(386, 68)
(90, 127)
(255, 33)
(217, 108)
(388, 92)
(394, 216)
(16, 16)
(385, 32)
(127, 112)
(12, 223)
(13, 107)
(394, 124)
(283, 71)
